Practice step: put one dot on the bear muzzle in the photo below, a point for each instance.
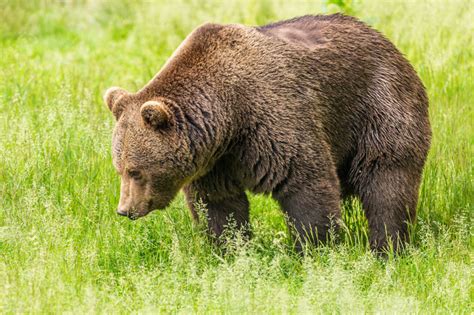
(128, 214)
(142, 209)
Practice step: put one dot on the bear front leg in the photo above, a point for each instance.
(312, 212)
(231, 209)
(227, 211)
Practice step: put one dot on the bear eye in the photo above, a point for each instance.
(134, 174)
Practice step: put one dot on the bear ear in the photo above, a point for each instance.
(111, 96)
(155, 114)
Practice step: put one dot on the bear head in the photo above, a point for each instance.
(149, 149)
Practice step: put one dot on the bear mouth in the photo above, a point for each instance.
(151, 206)
(131, 215)
(134, 213)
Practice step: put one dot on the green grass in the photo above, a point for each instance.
(63, 248)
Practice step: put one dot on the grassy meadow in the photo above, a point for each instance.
(63, 248)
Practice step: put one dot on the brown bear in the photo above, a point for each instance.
(310, 110)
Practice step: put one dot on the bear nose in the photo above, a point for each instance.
(122, 212)
(127, 214)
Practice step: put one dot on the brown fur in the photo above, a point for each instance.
(311, 110)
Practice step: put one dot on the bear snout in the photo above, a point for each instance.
(128, 214)
(135, 212)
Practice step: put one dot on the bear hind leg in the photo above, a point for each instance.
(389, 197)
